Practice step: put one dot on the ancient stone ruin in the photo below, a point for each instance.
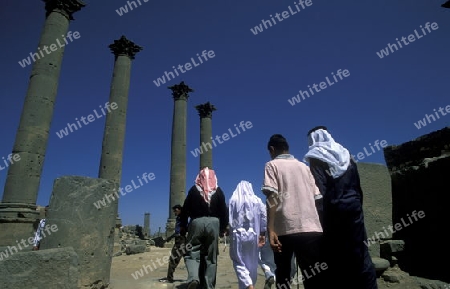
(180, 94)
(408, 194)
(418, 170)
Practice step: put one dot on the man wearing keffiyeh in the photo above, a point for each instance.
(336, 175)
(206, 208)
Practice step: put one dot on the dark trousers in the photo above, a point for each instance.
(347, 255)
(307, 249)
(178, 250)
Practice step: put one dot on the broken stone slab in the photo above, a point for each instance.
(391, 250)
(380, 265)
(82, 225)
(53, 268)
(140, 242)
(392, 246)
(135, 249)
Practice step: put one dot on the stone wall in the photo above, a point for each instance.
(377, 200)
(418, 170)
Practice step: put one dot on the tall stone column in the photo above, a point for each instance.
(205, 112)
(124, 51)
(18, 208)
(147, 225)
(180, 93)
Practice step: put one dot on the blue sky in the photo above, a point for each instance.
(250, 78)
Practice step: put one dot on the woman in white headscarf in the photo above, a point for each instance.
(337, 177)
(247, 216)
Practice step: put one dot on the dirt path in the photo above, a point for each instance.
(124, 266)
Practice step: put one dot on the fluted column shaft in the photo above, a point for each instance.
(23, 179)
(18, 207)
(180, 95)
(114, 134)
(206, 143)
(115, 124)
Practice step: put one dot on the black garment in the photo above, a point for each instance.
(207, 221)
(350, 265)
(178, 250)
(307, 249)
(177, 229)
(195, 207)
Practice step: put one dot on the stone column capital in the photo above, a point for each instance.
(65, 7)
(123, 46)
(205, 110)
(180, 91)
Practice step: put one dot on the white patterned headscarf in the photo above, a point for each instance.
(323, 147)
(242, 203)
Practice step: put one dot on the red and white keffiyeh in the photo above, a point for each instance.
(206, 183)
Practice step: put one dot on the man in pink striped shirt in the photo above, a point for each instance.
(293, 223)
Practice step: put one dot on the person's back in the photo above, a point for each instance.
(338, 180)
(247, 215)
(297, 212)
(206, 207)
(293, 222)
(195, 206)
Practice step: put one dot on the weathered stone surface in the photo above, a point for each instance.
(392, 250)
(50, 269)
(419, 171)
(377, 202)
(140, 242)
(83, 226)
(13, 232)
(135, 249)
(18, 205)
(380, 265)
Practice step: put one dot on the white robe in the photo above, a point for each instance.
(248, 218)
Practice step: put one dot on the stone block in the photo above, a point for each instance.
(50, 269)
(135, 249)
(89, 229)
(140, 242)
(391, 248)
(380, 265)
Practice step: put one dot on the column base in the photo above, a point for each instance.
(17, 221)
